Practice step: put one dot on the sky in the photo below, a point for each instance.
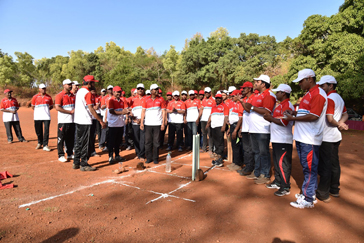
(46, 28)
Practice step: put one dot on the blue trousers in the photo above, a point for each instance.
(309, 158)
(260, 147)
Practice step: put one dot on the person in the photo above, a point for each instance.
(136, 104)
(100, 113)
(115, 118)
(176, 110)
(65, 105)
(42, 103)
(259, 129)
(308, 133)
(192, 118)
(249, 161)
(235, 121)
(10, 106)
(84, 110)
(329, 164)
(200, 96)
(153, 112)
(105, 132)
(92, 151)
(217, 121)
(184, 95)
(207, 103)
(281, 139)
(163, 132)
(75, 86)
(128, 128)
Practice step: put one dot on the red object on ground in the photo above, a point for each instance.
(4, 175)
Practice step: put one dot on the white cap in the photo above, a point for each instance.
(283, 87)
(75, 83)
(135, 91)
(305, 73)
(264, 78)
(67, 81)
(224, 91)
(191, 92)
(42, 86)
(175, 93)
(147, 92)
(218, 92)
(184, 92)
(110, 87)
(208, 89)
(327, 79)
(154, 86)
(231, 89)
(140, 86)
(103, 90)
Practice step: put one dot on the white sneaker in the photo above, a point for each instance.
(105, 150)
(301, 197)
(38, 146)
(62, 159)
(301, 204)
(46, 148)
(71, 157)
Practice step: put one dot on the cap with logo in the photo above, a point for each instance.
(327, 79)
(7, 91)
(208, 89)
(175, 93)
(305, 73)
(67, 81)
(184, 92)
(89, 78)
(154, 86)
(191, 92)
(140, 86)
(264, 78)
(42, 86)
(284, 88)
(116, 89)
(110, 87)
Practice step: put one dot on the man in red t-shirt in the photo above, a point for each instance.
(104, 109)
(176, 110)
(192, 117)
(9, 106)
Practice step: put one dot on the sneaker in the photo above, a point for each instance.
(87, 168)
(262, 180)
(101, 148)
(24, 141)
(105, 149)
(128, 148)
(281, 193)
(75, 167)
(219, 162)
(213, 162)
(38, 146)
(148, 161)
(62, 159)
(70, 156)
(156, 162)
(46, 148)
(302, 197)
(335, 194)
(94, 154)
(301, 204)
(180, 149)
(111, 160)
(10, 141)
(251, 176)
(244, 172)
(119, 158)
(234, 167)
(169, 148)
(272, 186)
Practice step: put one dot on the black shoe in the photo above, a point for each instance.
(243, 172)
(156, 162)
(75, 167)
(148, 161)
(213, 162)
(119, 158)
(219, 162)
(87, 168)
(283, 192)
(111, 161)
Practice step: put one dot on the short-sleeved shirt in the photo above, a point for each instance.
(153, 111)
(246, 115)
(98, 102)
(176, 117)
(105, 101)
(9, 105)
(84, 98)
(314, 102)
(229, 103)
(136, 104)
(282, 134)
(116, 105)
(235, 112)
(336, 108)
(266, 100)
(218, 114)
(66, 102)
(192, 107)
(42, 106)
(207, 104)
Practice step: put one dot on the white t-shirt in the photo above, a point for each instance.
(207, 104)
(67, 102)
(82, 114)
(10, 105)
(336, 108)
(42, 106)
(282, 134)
(153, 111)
(115, 120)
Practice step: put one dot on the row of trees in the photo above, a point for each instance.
(329, 45)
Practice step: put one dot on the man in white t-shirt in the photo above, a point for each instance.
(329, 164)
(308, 134)
(42, 103)
(84, 110)
(176, 110)
(192, 117)
(205, 110)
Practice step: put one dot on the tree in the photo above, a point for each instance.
(170, 62)
(7, 69)
(220, 33)
(24, 69)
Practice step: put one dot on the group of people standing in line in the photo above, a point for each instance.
(251, 116)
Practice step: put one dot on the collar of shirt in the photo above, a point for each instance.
(313, 88)
(85, 87)
(284, 101)
(332, 91)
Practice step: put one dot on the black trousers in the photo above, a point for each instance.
(238, 156)
(152, 134)
(65, 134)
(248, 152)
(92, 136)
(115, 139)
(82, 147)
(129, 135)
(162, 135)
(218, 140)
(98, 129)
(17, 130)
(204, 134)
(42, 138)
(282, 159)
(328, 170)
(139, 141)
(174, 128)
(104, 137)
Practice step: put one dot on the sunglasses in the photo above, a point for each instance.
(157, 89)
(140, 88)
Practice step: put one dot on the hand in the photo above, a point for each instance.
(233, 135)
(239, 134)
(162, 127)
(288, 117)
(72, 111)
(207, 127)
(223, 129)
(292, 113)
(197, 122)
(13, 111)
(141, 126)
(343, 126)
(228, 132)
(267, 117)
(103, 125)
(185, 121)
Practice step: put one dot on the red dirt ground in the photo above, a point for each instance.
(104, 207)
